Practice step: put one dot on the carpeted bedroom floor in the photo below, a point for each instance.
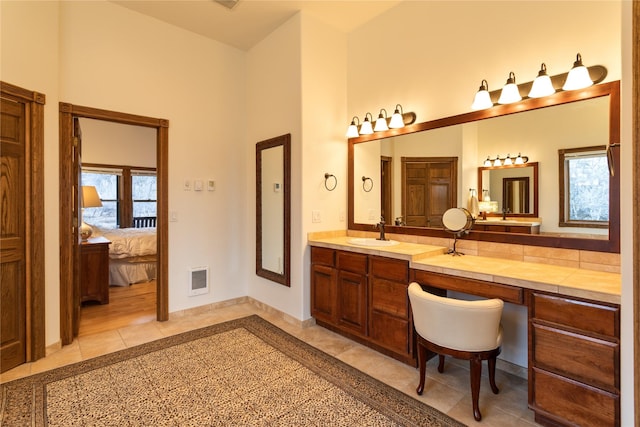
(448, 392)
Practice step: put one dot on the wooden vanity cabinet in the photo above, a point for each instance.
(519, 229)
(389, 316)
(574, 361)
(363, 297)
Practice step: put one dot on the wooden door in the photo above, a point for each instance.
(13, 235)
(352, 300)
(385, 189)
(77, 220)
(429, 188)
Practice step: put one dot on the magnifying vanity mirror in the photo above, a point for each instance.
(273, 209)
(453, 149)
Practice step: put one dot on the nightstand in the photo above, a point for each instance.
(94, 270)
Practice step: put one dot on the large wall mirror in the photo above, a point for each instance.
(273, 209)
(537, 128)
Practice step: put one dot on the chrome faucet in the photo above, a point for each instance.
(380, 226)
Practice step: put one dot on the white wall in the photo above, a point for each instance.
(117, 144)
(26, 51)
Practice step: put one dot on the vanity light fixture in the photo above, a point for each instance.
(510, 92)
(397, 119)
(352, 130)
(482, 99)
(381, 123)
(366, 128)
(506, 161)
(578, 77)
(542, 85)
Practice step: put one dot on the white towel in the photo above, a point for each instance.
(474, 207)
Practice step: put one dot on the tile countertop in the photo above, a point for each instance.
(576, 282)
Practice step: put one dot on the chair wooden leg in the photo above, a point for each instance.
(422, 364)
(441, 363)
(492, 375)
(476, 373)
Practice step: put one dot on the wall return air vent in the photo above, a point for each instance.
(198, 281)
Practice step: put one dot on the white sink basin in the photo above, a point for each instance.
(368, 241)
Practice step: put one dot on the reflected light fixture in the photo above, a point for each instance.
(542, 85)
(397, 121)
(507, 161)
(578, 77)
(366, 128)
(510, 92)
(482, 99)
(352, 130)
(381, 123)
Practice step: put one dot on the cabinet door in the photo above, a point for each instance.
(323, 293)
(352, 299)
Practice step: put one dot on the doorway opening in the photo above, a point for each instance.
(71, 208)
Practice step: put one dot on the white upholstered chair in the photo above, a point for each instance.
(468, 330)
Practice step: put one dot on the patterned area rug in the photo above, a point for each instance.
(245, 372)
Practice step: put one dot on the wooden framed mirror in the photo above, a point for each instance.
(513, 187)
(443, 134)
(273, 209)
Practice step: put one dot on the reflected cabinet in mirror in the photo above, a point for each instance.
(421, 170)
(273, 209)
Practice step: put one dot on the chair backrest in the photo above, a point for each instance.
(456, 324)
(144, 221)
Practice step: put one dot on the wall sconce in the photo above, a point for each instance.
(364, 184)
(575, 79)
(578, 77)
(381, 123)
(326, 179)
(542, 84)
(482, 99)
(352, 130)
(398, 120)
(510, 92)
(90, 199)
(506, 161)
(366, 128)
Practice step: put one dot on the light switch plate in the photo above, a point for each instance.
(211, 185)
(197, 185)
(186, 186)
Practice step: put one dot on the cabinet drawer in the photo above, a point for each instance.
(356, 263)
(586, 316)
(579, 404)
(323, 256)
(590, 360)
(391, 269)
(390, 332)
(389, 297)
(469, 286)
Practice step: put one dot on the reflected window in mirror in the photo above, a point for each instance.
(584, 187)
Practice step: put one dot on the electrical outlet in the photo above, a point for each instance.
(186, 186)
(315, 216)
(173, 216)
(211, 185)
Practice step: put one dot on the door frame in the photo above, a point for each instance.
(69, 193)
(34, 217)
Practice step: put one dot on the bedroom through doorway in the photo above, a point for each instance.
(118, 170)
(123, 205)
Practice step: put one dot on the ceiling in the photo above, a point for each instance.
(252, 20)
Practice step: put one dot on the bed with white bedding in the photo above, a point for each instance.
(132, 254)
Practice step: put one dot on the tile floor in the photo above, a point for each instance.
(449, 392)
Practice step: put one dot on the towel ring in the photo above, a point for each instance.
(326, 178)
(364, 184)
